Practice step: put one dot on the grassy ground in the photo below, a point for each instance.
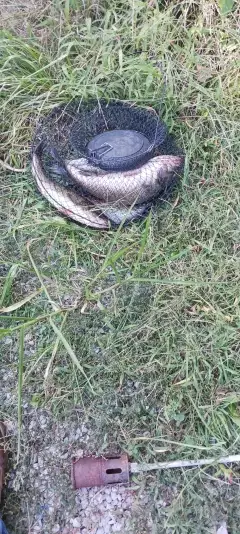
(151, 312)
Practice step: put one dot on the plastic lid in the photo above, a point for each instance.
(117, 144)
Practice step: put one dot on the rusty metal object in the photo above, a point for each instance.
(92, 471)
(3, 456)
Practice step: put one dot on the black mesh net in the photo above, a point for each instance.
(75, 182)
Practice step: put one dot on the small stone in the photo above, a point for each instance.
(99, 498)
(82, 492)
(117, 527)
(36, 528)
(85, 522)
(79, 453)
(84, 503)
(56, 529)
(64, 456)
(44, 472)
(222, 529)
(42, 421)
(7, 340)
(76, 522)
(40, 461)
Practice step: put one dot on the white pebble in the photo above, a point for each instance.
(85, 522)
(84, 503)
(56, 529)
(99, 498)
(117, 527)
(107, 528)
(76, 522)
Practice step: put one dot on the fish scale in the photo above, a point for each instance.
(127, 187)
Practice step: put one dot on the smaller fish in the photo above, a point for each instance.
(65, 200)
(117, 215)
(125, 187)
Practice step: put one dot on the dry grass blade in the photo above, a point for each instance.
(20, 303)
(55, 349)
(10, 168)
(8, 283)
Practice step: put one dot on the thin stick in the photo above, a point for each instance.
(142, 468)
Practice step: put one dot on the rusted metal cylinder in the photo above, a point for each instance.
(99, 471)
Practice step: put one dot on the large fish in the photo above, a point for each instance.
(67, 201)
(116, 213)
(126, 187)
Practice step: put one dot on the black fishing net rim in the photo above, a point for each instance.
(87, 119)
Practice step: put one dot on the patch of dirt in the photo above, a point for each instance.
(39, 498)
(47, 503)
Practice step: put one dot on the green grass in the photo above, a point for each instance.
(150, 312)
